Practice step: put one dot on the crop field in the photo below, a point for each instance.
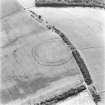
(37, 64)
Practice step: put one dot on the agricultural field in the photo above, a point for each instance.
(37, 65)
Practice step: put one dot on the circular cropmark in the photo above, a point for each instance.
(52, 52)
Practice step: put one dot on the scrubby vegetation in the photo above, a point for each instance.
(72, 3)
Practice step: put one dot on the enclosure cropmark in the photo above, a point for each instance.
(52, 52)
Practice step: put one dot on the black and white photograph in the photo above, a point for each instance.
(52, 52)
